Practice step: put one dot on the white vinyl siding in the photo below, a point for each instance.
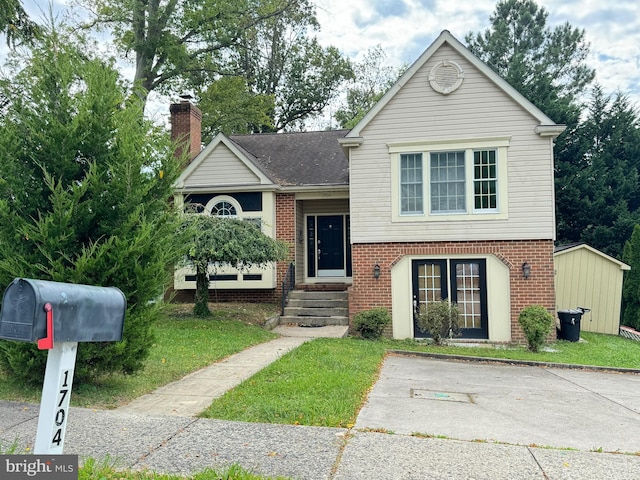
(417, 116)
(221, 167)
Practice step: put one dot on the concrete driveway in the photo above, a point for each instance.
(522, 405)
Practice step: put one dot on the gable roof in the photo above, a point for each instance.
(301, 158)
(572, 247)
(547, 127)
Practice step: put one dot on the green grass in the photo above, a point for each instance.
(97, 471)
(322, 383)
(183, 344)
(596, 350)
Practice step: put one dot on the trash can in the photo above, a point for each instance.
(570, 323)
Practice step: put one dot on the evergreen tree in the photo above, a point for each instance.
(600, 195)
(631, 286)
(84, 189)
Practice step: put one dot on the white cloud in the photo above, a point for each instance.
(405, 28)
(612, 29)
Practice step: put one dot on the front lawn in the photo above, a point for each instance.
(594, 349)
(183, 344)
(322, 383)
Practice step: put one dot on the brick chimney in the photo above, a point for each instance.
(186, 120)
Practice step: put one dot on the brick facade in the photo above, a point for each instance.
(367, 292)
(186, 120)
(285, 231)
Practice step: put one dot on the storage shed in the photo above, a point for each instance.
(586, 277)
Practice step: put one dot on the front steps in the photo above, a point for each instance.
(316, 308)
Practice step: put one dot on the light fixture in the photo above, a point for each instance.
(526, 270)
(376, 271)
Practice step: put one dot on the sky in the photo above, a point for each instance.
(405, 28)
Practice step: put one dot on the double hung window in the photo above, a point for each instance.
(440, 182)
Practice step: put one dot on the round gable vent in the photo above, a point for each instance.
(446, 77)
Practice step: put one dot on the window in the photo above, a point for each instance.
(460, 179)
(224, 209)
(411, 183)
(447, 174)
(485, 195)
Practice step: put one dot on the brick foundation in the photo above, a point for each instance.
(367, 292)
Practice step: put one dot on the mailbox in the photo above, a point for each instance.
(43, 311)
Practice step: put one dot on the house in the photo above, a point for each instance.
(443, 190)
(586, 277)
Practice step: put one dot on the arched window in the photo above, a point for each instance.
(224, 209)
(223, 206)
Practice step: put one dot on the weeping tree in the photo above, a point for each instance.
(84, 184)
(220, 241)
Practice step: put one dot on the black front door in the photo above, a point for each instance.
(328, 253)
(464, 281)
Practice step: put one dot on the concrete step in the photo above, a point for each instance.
(316, 303)
(313, 321)
(316, 311)
(298, 294)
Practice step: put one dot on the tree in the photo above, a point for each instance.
(84, 189)
(631, 285)
(15, 23)
(600, 196)
(229, 106)
(284, 66)
(547, 66)
(187, 45)
(217, 241)
(175, 40)
(371, 81)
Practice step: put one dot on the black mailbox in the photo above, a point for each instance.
(43, 311)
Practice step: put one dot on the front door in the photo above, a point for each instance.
(464, 281)
(328, 246)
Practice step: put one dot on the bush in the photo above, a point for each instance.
(536, 323)
(440, 320)
(371, 323)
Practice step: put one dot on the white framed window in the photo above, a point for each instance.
(447, 182)
(485, 180)
(411, 189)
(458, 179)
(223, 206)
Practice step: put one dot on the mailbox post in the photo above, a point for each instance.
(57, 316)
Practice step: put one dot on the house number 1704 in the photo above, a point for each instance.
(62, 407)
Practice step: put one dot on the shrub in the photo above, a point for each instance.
(440, 320)
(536, 323)
(371, 323)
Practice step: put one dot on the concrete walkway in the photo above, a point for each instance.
(192, 394)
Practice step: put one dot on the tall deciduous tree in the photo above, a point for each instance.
(15, 23)
(173, 41)
(372, 78)
(220, 241)
(190, 44)
(283, 64)
(84, 189)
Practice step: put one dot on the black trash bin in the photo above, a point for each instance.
(570, 323)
